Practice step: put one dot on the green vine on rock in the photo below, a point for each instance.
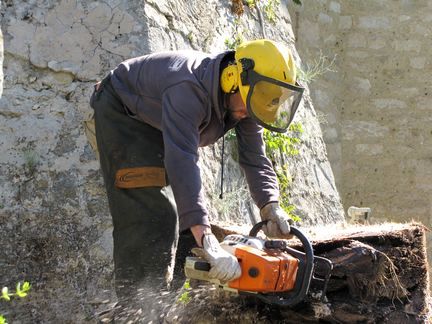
(280, 144)
(185, 297)
(269, 8)
(237, 38)
(278, 147)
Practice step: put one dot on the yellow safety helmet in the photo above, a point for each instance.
(266, 79)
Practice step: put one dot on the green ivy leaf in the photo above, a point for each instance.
(184, 298)
(5, 293)
(251, 3)
(2, 320)
(187, 285)
(22, 291)
(26, 286)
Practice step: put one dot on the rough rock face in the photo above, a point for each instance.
(1, 62)
(54, 220)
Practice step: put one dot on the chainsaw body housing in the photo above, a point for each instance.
(262, 270)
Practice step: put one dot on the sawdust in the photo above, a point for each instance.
(321, 310)
(144, 304)
(211, 305)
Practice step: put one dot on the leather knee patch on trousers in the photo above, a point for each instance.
(140, 177)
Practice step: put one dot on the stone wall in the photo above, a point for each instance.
(54, 221)
(376, 107)
(1, 61)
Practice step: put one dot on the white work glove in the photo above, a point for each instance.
(278, 221)
(224, 266)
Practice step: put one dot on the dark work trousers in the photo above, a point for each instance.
(146, 240)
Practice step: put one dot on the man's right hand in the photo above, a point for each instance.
(224, 266)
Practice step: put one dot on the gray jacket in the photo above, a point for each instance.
(179, 94)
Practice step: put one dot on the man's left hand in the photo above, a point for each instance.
(278, 221)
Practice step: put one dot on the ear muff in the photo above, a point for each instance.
(229, 78)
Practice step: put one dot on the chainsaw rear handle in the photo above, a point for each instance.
(306, 276)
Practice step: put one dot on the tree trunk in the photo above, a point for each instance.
(380, 275)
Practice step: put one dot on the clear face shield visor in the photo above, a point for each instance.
(272, 103)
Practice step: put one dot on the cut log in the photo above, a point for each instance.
(380, 275)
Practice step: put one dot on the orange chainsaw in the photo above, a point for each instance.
(271, 270)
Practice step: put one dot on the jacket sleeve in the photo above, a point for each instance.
(258, 169)
(184, 107)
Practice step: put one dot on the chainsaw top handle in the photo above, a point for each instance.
(302, 289)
